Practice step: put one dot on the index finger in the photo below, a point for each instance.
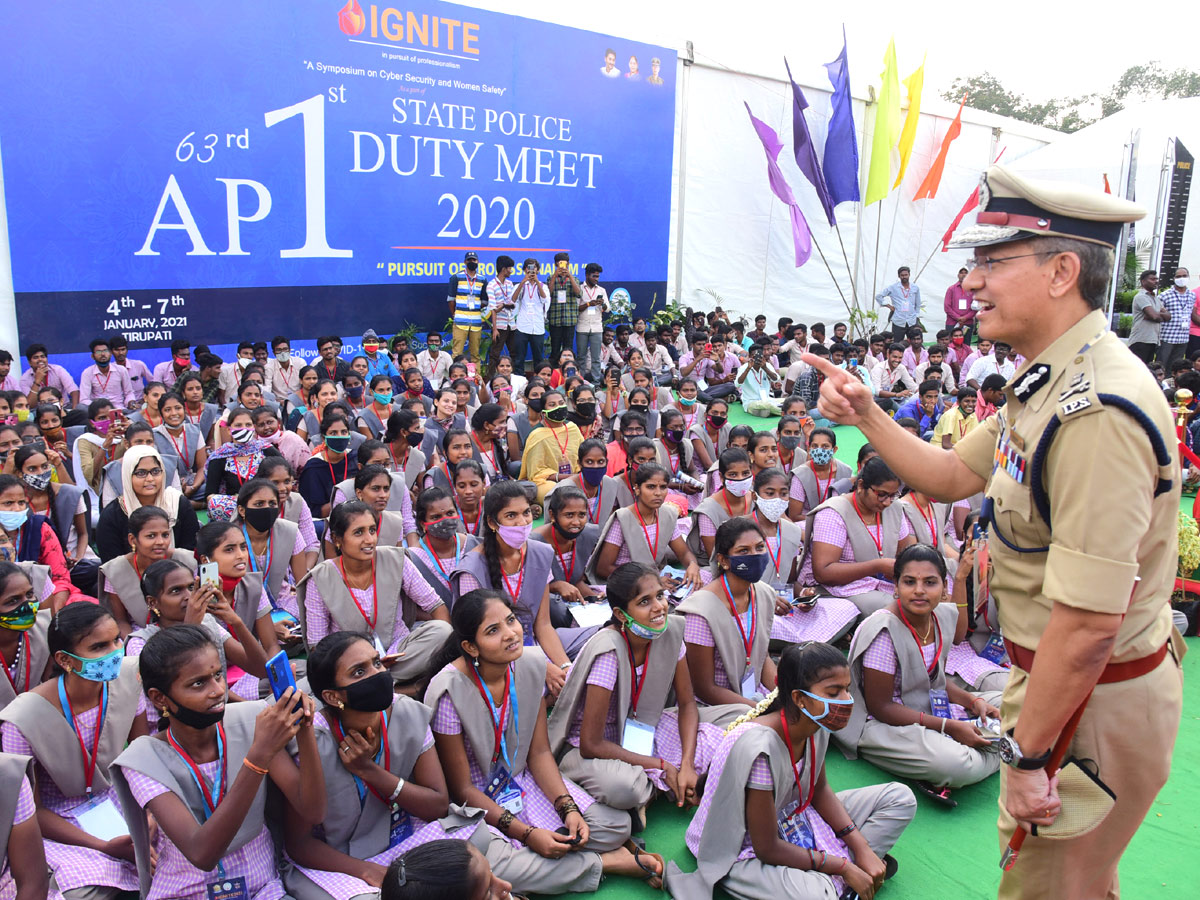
(821, 363)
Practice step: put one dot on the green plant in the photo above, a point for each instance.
(863, 322)
(1124, 301)
(1124, 324)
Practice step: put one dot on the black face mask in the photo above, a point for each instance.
(566, 535)
(414, 439)
(537, 404)
(586, 409)
(639, 408)
(193, 719)
(261, 518)
(374, 694)
(558, 414)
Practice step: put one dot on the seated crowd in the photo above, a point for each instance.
(477, 706)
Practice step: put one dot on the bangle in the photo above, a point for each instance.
(842, 867)
(962, 605)
(528, 832)
(921, 719)
(943, 721)
(845, 831)
(258, 770)
(396, 793)
(505, 821)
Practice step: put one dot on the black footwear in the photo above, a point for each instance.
(890, 865)
(937, 794)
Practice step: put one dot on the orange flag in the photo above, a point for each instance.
(1107, 189)
(929, 187)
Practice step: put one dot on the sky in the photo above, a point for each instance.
(1038, 49)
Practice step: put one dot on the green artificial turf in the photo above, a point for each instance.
(955, 853)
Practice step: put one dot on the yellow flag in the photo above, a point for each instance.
(887, 129)
(914, 83)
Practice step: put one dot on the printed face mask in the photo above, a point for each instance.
(39, 481)
(739, 487)
(442, 529)
(242, 435)
(772, 507)
(557, 415)
(20, 619)
(835, 714)
(100, 668)
(643, 631)
(749, 566)
(822, 456)
(284, 357)
(674, 435)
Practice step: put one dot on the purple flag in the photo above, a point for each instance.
(801, 236)
(805, 150)
(841, 147)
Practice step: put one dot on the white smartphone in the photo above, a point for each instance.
(209, 575)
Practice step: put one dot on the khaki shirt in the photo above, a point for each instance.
(1099, 475)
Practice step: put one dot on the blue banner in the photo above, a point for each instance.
(224, 170)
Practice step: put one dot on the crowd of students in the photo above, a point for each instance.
(479, 706)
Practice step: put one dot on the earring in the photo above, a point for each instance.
(164, 713)
(475, 661)
(341, 705)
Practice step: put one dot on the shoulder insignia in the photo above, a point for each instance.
(1031, 382)
(1078, 385)
(1074, 406)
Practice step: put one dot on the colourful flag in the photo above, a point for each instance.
(887, 129)
(908, 135)
(933, 178)
(805, 150)
(801, 236)
(1107, 189)
(840, 159)
(972, 202)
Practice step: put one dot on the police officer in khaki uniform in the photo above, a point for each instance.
(1082, 474)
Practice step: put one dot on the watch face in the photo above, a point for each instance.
(1007, 750)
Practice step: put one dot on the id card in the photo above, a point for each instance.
(994, 651)
(401, 828)
(784, 591)
(749, 684)
(560, 296)
(100, 818)
(939, 702)
(228, 889)
(638, 737)
(503, 791)
(794, 827)
(962, 304)
(564, 468)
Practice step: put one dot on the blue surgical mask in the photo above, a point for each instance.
(822, 456)
(12, 519)
(383, 399)
(100, 668)
(830, 719)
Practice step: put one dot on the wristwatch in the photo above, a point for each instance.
(1010, 754)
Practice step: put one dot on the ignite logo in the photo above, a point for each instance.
(351, 19)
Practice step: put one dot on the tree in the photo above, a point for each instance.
(1149, 82)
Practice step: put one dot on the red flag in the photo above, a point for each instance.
(1107, 189)
(972, 202)
(933, 178)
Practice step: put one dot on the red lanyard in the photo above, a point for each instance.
(747, 640)
(520, 578)
(811, 763)
(385, 746)
(104, 386)
(823, 494)
(646, 532)
(210, 803)
(478, 520)
(567, 570)
(22, 649)
(921, 647)
(345, 470)
(638, 683)
(498, 723)
(779, 535)
(89, 762)
(724, 495)
(878, 541)
(566, 441)
(399, 464)
(198, 416)
(433, 555)
(184, 455)
(237, 470)
(374, 617)
(492, 458)
(584, 487)
(930, 520)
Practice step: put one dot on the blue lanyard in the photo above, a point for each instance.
(497, 721)
(89, 765)
(209, 802)
(457, 552)
(358, 782)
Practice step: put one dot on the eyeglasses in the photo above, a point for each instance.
(883, 497)
(147, 473)
(988, 261)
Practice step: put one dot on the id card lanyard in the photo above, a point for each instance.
(89, 762)
(811, 763)
(931, 668)
(635, 691)
(499, 716)
(209, 800)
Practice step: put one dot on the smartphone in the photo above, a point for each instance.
(209, 574)
(805, 598)
(280, 676)
(471, 369)
(854, 364)
(708, 348)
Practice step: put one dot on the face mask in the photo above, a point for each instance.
(371, 348)
(688, 401)
(101, 668)
(12, 519)
(383, 399)
(749, 566)
(101, 426)
(355, 393)
(645, 632)
(557, 415)
(835, 714)
(284, 357)
(514, 535)
(674, 435)
(242, 435)
(537, 404)
(38, 482)
(22, 415)
(822, 456)
(739, 487)
(566, 535)
(193, 719)
(717, 421)
(593, 475)
(338, 443)
(414, 438)
(374, 694)
(442, 529)
(958, 341)
(261, 518)
(639, 407)
(790, 441)
(1181, 282)
(586, 410)
(772, 507)
(243, 362)
(20, 619)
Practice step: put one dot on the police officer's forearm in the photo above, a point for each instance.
(1082, 643)
(920, 465)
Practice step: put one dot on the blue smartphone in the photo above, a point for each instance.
(280, 675)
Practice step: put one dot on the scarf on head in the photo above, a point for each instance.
(168, 497)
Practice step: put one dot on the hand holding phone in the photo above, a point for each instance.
(281, 677)
(209, 574)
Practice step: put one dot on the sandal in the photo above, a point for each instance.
(937, 794)
(652, 878)
(891, 865)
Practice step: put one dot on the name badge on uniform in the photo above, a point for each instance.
(401, 827)
(638, 737)
(749, 684)
(228, 889)
(503, 791)
(100, 818)
(560, 296)
(994, 652)
(939, 702)
(564, 468)
(794, 827)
